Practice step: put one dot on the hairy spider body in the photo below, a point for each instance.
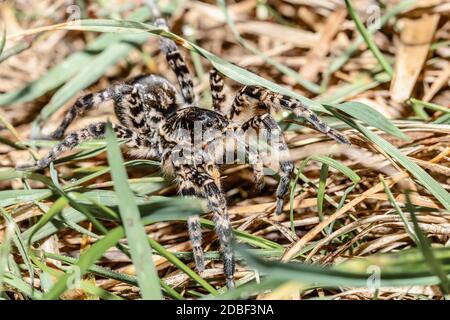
(157, 122)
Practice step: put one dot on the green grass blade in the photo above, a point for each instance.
(83, 284)
(19, 243)
(248, 290)
(165, 253)
(342, 59)
(19, 284)
(10, 197)
(429, 105)
(246, 237)
(230, 70)
(409, 261)
(368, 39)
(101, 271)
(352, 175)
(99, 292)
(17, 146)
(49, 81)
(155, 209)
(312, 274)
(170, 291)
(181, 266)
(5, 249)
(97, 224)
(86, 260)
(140, 250)
(107, 273)
(17, 49)
(325, 160)
(362, 84)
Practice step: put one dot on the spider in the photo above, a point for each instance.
(157, 122)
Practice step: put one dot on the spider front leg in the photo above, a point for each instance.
(273, 135)
(93, 131)
(204, 180)
(251, 99)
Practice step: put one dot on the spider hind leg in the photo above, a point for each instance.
(273, 135)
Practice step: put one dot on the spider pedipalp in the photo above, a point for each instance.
(192, 143)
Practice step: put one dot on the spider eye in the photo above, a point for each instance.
(209, 123)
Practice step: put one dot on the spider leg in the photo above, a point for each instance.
(274, 137)
(188, 189)
(82, 105)
(177, 64)
(195, 235)
(204, 179)
(217, 90)
(258, 167)
(253, 158)
(86, 103)
(93, 131)
(140, 104)
(251, 100)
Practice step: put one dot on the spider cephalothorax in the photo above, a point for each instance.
(157, 122)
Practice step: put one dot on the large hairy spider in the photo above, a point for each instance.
(156, 122)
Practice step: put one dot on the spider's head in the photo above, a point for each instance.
(195, 125)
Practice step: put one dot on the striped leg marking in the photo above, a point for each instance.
(93, 131)
(217, 204)
(82, 105)
(253, 96)
(189, 189)
(195, 235)
(217, 90)
(201, 180)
